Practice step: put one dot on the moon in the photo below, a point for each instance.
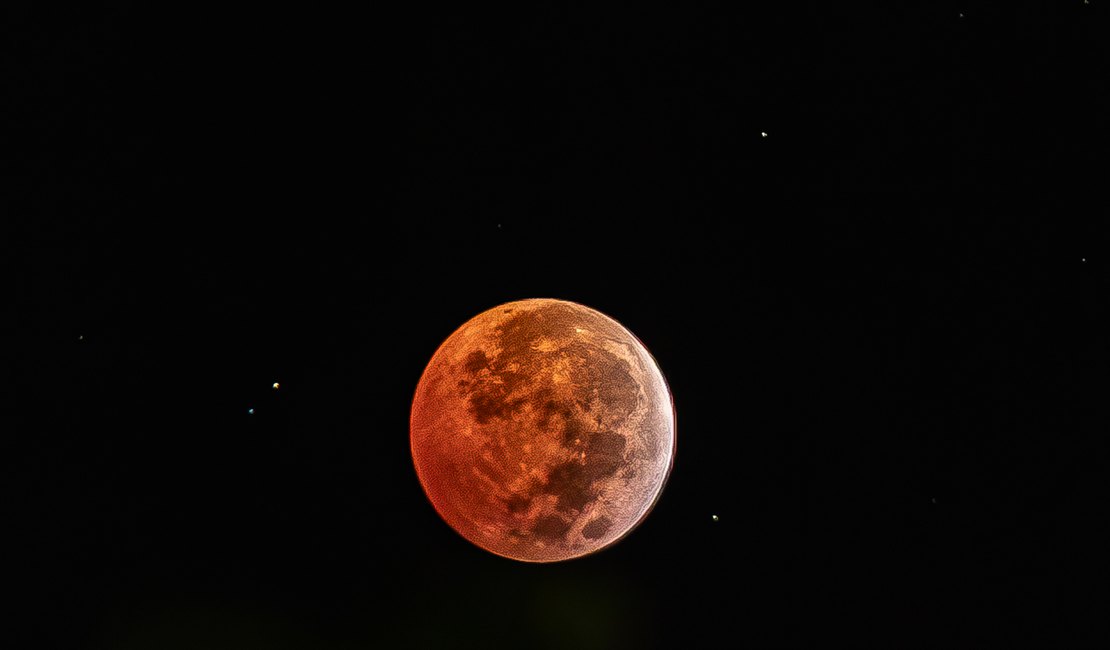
(542, 430)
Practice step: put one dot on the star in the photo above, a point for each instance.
(250, 411)
(82, 337)
(716, 518)
(763, 134)
(276, 385)
(1082, 259)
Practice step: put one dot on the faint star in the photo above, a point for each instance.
(1082, 259)
(934, 499)
(250, 411)
(82, 337)
(961, 15)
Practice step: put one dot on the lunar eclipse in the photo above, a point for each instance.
(542, 430)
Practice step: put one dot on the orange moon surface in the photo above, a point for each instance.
(542, 430)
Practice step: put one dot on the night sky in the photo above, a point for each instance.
(867, 247)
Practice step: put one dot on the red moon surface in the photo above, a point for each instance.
(542, 430)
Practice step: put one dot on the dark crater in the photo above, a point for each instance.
(597, 528)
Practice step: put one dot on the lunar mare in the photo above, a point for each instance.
(542, 430)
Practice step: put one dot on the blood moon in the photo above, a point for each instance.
(542, 430)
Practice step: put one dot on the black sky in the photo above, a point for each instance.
(866, 246)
